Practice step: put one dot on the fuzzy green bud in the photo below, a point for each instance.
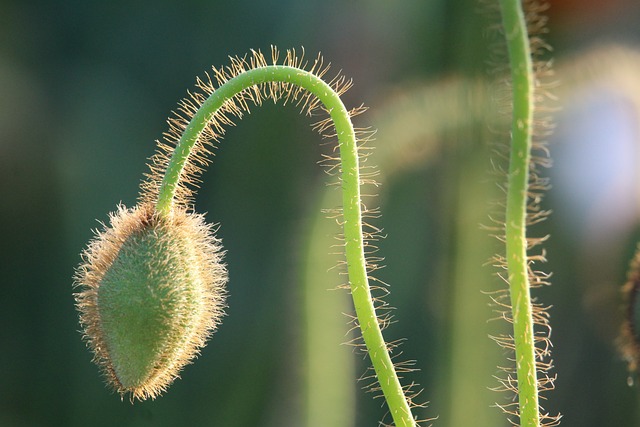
(153, 291)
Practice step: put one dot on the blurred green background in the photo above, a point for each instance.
(85, 88)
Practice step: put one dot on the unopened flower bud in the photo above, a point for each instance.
(152, 293)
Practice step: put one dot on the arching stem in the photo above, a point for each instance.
(352, 209)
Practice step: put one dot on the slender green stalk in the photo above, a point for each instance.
(352, 210)
(522, 78)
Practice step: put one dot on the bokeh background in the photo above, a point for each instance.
(85, 88)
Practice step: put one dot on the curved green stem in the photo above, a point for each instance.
(352, 210)
(522, 78)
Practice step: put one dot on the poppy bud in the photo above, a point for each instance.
(152, 293)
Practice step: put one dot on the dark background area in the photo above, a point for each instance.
(85, 88)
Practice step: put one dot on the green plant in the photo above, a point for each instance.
(142, 257)
(112, 329)
(524, 189)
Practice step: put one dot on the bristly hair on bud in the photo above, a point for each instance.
(152, 291)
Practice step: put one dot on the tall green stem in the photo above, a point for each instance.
(352, 209)
(522, 78)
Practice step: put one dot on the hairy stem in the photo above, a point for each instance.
(352, 209)
(522, 79)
